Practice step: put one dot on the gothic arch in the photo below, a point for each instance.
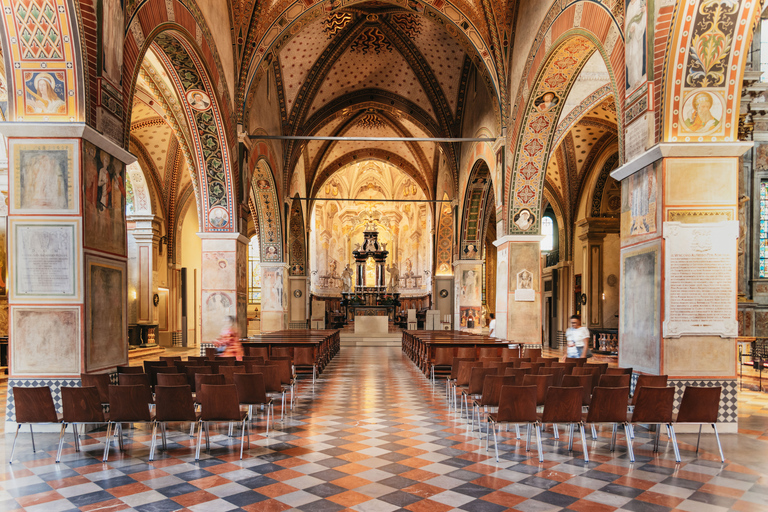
(477, 199)
(297, 239)
(268, 215)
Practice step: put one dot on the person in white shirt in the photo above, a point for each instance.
(492, 325)
(577, 337)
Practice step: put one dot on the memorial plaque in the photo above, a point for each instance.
(44, 260)
(636, 138)
(700, 285)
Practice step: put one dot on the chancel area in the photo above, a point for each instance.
(378, 255)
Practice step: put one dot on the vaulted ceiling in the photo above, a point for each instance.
(373, 69)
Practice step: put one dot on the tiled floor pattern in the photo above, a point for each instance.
(372, 436)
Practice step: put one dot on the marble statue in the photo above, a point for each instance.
(408, 267)
(346, 278)
(394, 278)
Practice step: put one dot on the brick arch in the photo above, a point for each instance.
(599, 29)
(705, 56)
(214, 183)
(283, 24)
(475, 211)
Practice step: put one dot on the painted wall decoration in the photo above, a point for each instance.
(539, 122)
(476, 203)
(104, 200)
(218, 270)
(268, 209)
(639, 209)
(111, 17)
(703, 86)
(274, 296)
(469, 317)
(208, 134)
(217, 306)
(471, 286)
(44, 262)
(106, 317)
(524, 219)
(53, 331)
(297, 241)
(444, 262)
(45, 177)
(46, 69)
(639, 317)
(635, 46)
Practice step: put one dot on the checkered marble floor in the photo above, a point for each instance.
(372, 435)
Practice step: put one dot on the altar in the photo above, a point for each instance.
(371, 319)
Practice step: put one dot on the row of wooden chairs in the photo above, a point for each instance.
(442, 363)
(562, 405)
(134, 403)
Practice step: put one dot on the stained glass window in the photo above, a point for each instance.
(548, 230)
(764, 228)
(254, 272)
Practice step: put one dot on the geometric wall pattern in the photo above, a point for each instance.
(296, 240)
(268, 209)
(444, 260)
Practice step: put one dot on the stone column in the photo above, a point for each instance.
(299, 285)
(593, 233)
(468, 275)
(274, 296)
(67, 255)
(146, 232)
(224, 282)
(518, 288)
(679, 235)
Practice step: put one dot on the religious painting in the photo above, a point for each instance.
(53, 331)
(112, 26)
(470, 252)
(546, 101)
(639, 198)
(218, 217)
(635, 46)
(217, 307)
(640, 308)
(702, 113)
(104, 188)
(273, 296)
(198, 100)
(524, 219)
(106, 315)
(44, 177)
(469, 317)
(44, 259)
(219, 272)
(524, 280)
(45, 93)
(471, 286)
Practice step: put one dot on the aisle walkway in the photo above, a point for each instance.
(374, 436)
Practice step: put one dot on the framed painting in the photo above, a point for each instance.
(45, 262)
(103, 201)
(44, 177)
(106, 315)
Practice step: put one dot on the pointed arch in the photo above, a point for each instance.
(268, 215)
(297, 239)
(476, 205)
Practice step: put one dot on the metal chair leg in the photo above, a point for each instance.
(528, 438)
(570, 437)
(629, 443)
(698, 440)
(584, 442)
(673, 437)
(163, 434)
(495, 443)
(154, 441)
(556, 431)
(107, 442)
(242, 439)
(594, 433)
(719, 446)
(61, 442)
(538, 442)
(33, 438)
(199, 442)
(76, 437)
(613, 437)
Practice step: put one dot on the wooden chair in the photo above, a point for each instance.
(580, 361)
(216, 366)
(304, 362)
(614, 381)
(172, 379)
(452, 377)
(518, 374)
(508, 354)
(533, 353)
(488, 360)
(546, 360)
(130, 369)
(462, 380)
(533, 366)
(654, 381)
(252, 391)
(253, 359)
(609, 405)
(474, 387)
(229, 372)
(272, 383)
(700, 405)
(262, 352)
(489, 398)
(80, 406)
(174, 404)
(653, 406)
(594, 372)
(618, 371)
(133, 379)
(170, 359)
(229, 359)
(568, 366)
(556, 373)
(198, 360)
(220, 404)
(562, 406)
(580, 381)
(602, 367)
(287, 376)
(100, 381)
(193, 370)
(214, 379)
(34, 406)
(154, 371)
(152, 364)
(517, 404)
(127, 404)
(210, 353)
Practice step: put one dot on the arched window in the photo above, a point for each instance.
(548, 230)
(254, 271)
